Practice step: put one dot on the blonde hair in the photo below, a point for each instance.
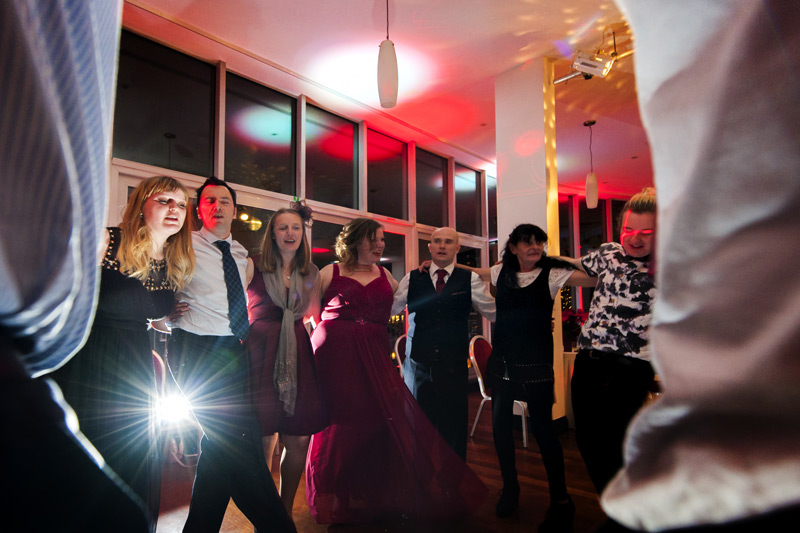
(351, 236)
(270, 255)
(643, 202)
(136, 245)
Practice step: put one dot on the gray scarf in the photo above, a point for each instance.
(301, 291)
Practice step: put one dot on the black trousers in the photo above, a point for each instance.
(539, 397)
(607, 391)
(212, 373)
(441, 391)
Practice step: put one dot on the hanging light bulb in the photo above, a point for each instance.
(387, 69)
(591, 177)
(591, 190)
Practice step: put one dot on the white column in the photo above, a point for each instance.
(527, 182)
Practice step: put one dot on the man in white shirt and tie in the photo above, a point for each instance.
(207, 357)
(439, 303)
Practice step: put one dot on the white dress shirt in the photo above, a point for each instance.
(482, 301)
(206, 293)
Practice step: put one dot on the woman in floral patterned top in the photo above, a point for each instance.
(612, 373)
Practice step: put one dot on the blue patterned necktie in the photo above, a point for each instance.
(237, 309)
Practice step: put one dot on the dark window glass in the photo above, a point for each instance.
(424, 253)
(431, 189)
(491, 194)
(468, 205)
(565, 226)
(565, 222)
(323, 237)
(249, 226)
(331, 155)
(592, 236)
(259, 136)
(471, 257)
(616, 211)
(164, 113)
(387, 175)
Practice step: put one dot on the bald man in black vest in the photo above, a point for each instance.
(439, 303)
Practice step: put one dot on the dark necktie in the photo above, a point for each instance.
(441, 273)
(237, 309)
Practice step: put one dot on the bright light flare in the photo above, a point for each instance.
(175, 408)
(351, 69)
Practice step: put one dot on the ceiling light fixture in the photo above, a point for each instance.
(387, 69)
(591, 177)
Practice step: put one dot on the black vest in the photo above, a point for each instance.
(440, 332)
(523, 338)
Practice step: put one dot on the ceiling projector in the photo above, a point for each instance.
(592, 65)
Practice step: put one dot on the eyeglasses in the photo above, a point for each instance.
(633, 232)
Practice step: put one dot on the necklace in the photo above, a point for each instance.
(362, 269)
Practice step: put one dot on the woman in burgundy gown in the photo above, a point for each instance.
(283, 379)
(380, 458)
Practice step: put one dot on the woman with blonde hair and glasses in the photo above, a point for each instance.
(110, 383)
(283, 378)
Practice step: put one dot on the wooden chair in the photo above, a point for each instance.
(479, 351)
(400, 351)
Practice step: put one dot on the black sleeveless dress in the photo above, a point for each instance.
(110, 383)
(523, 339)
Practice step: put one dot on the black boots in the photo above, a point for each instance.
(559, 517)
(509, 501)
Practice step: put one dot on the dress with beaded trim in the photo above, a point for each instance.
(110, 382)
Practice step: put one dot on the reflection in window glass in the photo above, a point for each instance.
(259, 136)
(491, 186)
(249, 226)
(422, 250)
(164, 109)
(592, 236)
(431, 189)
(471, 257)
(331, 155)
(323, 238)
(387, 175)
(468, 205)
(565, 226)
(616, 212)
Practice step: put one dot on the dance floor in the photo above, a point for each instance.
(177, 486)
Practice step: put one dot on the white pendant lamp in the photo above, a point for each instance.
(591, 177)
(387, 69)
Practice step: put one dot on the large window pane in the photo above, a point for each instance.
(387, 175)
(468, 205)
(616, 211)
(431, 189)
(592, 236)
(471, 257)
(491, 195)
(259, 136)
(331, 155)
(164, 109)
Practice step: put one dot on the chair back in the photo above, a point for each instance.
(479, 351)
(400, 351)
